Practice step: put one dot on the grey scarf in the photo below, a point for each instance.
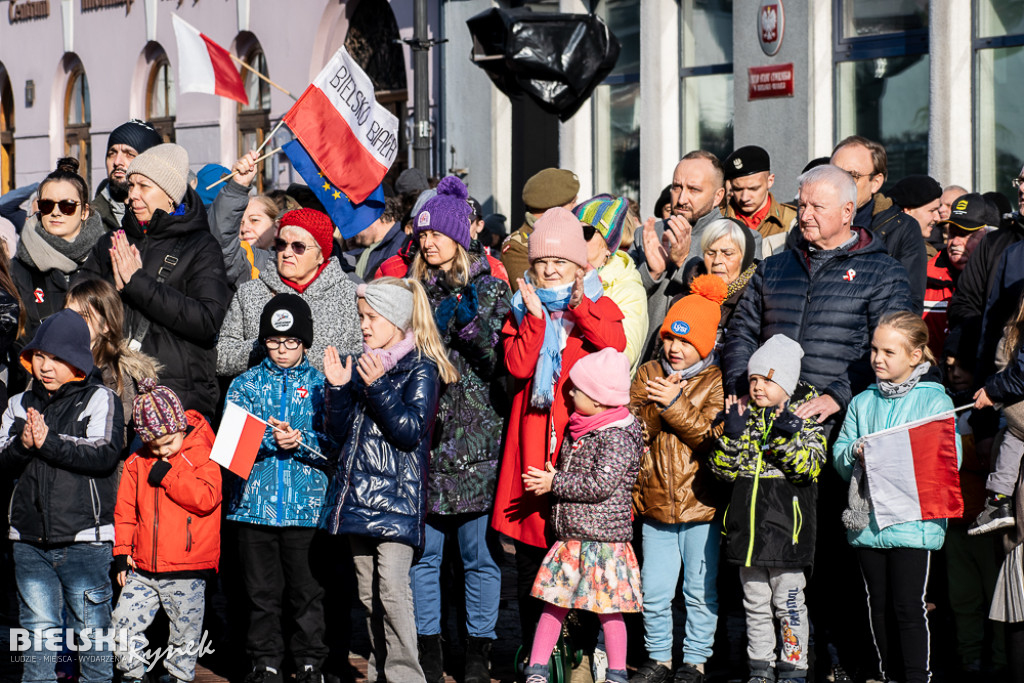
(819, 257)
(43, 251)
(693, 370)
(891, 390)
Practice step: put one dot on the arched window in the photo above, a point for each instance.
(77, 117)
(254, 118)
(161, 98)
(6, 133)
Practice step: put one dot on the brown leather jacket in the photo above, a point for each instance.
(675, 485)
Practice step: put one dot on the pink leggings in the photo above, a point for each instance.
(550, 627)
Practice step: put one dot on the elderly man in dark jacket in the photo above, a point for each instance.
(865, 161)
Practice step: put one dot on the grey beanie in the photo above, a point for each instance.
(778, 359)
(394, 302)
(167, 166)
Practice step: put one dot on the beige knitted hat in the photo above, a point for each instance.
(167, 166)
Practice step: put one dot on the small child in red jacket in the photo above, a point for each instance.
(166, 532)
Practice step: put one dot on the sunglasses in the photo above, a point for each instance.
(298, 248)
(588, 232)
(67, 206)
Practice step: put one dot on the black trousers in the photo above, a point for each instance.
(896, 581)
(528, 561)
(277, 571)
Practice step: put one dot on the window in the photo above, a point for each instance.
(6, 133)
(617, 106)
(882, 80)
(77, 117)
(161, 99)
(998, 61)
(254, 118)
(707, 98)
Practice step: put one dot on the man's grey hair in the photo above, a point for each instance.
(724, 227)
(844, 184)
(954, 188)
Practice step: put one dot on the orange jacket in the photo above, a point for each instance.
(175, 526)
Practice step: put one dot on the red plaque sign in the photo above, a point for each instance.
(770, 81)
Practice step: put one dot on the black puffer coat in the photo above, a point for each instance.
(186, 310)
(380, 489)
(901, 235)
(831, 315)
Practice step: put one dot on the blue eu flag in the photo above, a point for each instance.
(350, 218)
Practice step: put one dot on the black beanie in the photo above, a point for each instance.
(287, 315)
(137, 134)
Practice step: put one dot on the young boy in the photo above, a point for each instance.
(678, 398)
(773, 458)
(277, 509)
(167, 530)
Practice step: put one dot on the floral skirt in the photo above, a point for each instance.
(590, 575)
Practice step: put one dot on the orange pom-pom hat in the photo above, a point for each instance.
(695, 317)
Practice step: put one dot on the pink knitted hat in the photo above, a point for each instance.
(157, 411)
(603, 376)
(558, 234)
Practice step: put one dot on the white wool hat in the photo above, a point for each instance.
(778, 359)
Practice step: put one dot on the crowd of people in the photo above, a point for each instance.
(658, 415)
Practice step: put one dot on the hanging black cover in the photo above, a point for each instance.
(557, 59)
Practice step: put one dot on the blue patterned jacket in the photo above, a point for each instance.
(285, 488)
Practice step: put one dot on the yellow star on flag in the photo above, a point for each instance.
(337, 195)
(327, 186)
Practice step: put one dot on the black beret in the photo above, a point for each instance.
(915, 190)
(746, 161)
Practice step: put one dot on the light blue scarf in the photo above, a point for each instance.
(549, 365)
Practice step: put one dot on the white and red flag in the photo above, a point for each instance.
(204, 66)
(238, 440)
(350, 137)
(912, 471)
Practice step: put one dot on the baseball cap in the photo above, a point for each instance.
(969, 213)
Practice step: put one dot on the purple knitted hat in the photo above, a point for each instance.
(447, 212)
(157, 411)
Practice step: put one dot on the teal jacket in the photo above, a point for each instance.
(870, 412)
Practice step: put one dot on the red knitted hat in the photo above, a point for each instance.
(316, 223)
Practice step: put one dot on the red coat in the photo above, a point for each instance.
(518, 514)
(942, 279)
(398, 266)
(175, 526)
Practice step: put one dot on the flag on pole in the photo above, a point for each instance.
(350, 218)
(912, 471)
(238, 440)
(204, 66)
(348, 135)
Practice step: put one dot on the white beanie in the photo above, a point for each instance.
(778, 360)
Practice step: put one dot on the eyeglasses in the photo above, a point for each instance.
(1017, 182)
(68, 207)
(857, 176)
(290, 343)
(298, 248)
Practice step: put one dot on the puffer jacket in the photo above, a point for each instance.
(771, 518)
(174, 526)
(831, 315)
(331, 297)
(65, 491)
(186, 310)
(285, 487)
(385, 430)
(871, 412)
(622, 284)
(901, 235)
(467, 435)
(592, 486)
(675, 483)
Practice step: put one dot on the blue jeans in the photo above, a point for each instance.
(75, 579)
(483, 579)
(694, 546)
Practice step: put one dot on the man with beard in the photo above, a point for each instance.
(126, 142)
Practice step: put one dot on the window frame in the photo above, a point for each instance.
(7, 128)
(78, 133)
(255, 121)
(164, 124)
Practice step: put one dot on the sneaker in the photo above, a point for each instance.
(617, 676)
(264, 674)
(651, 672)
(998, 514)
(309, 674)
(599, 665)
(688, 673)
(759, 679)
(537, 673)
(839, 675)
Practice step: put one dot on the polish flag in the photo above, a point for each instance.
(912, 471)
(238, 440)
(204, 66)
(349, 136)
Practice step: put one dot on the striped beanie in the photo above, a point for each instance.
(157, 411)
(606, 214)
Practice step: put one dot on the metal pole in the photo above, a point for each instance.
(421, 89)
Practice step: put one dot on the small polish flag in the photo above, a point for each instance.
(912, 471)
(238, 440)
(204, 66)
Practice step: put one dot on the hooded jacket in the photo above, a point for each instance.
(392, 243)
(174, 526)
(186, 310)
(622, 284)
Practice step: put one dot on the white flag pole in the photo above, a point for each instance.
(918, 423)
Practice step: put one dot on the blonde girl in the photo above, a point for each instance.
(383, 414)
(894, 560)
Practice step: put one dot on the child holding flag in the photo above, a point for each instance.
(277, 509)
(894, 560)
